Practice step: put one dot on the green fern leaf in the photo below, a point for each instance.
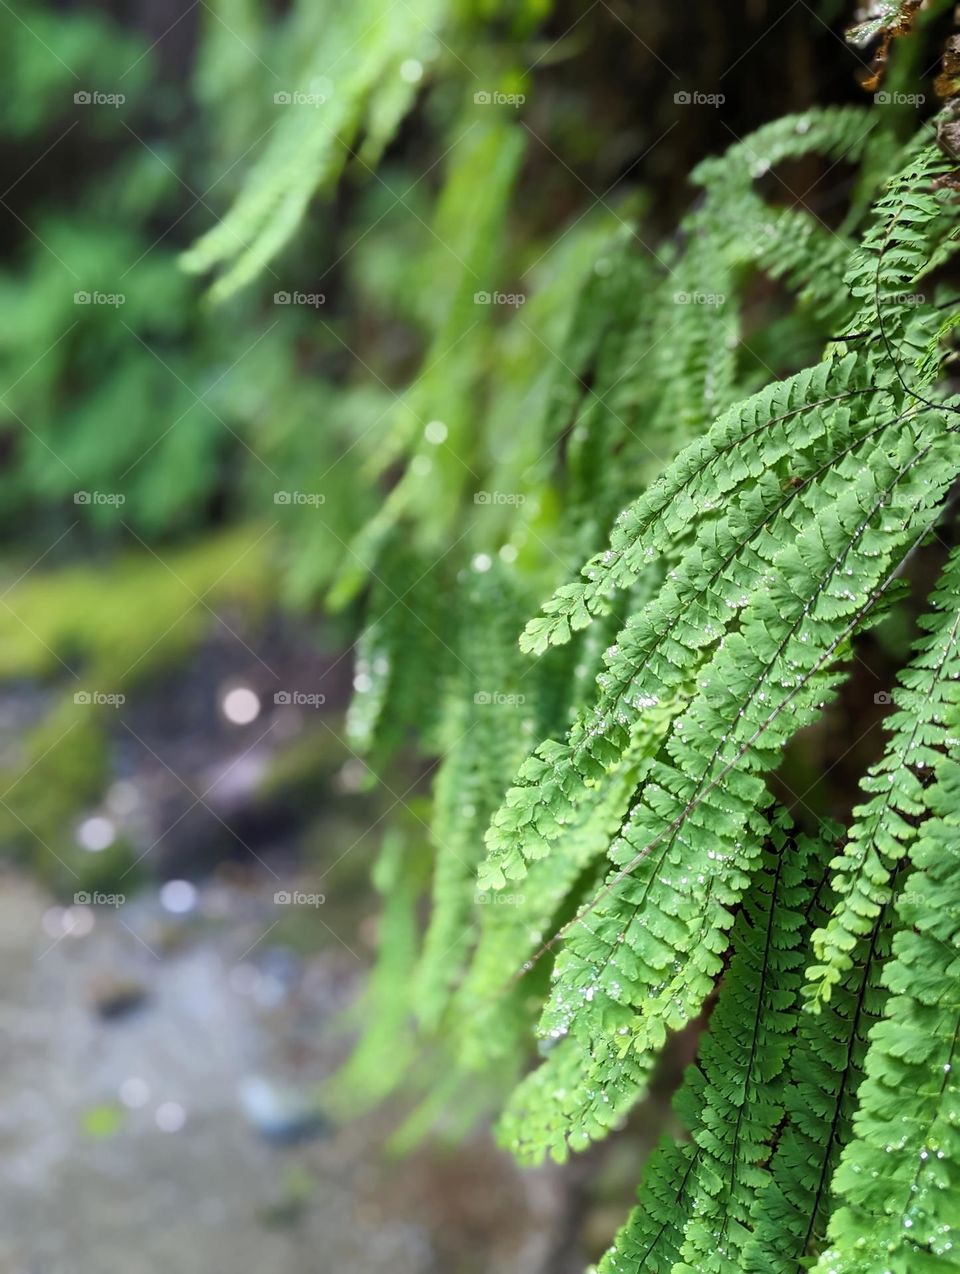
(887, 824)
(899, 1178)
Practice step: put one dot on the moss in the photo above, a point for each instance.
(118, 620)
(113, 626)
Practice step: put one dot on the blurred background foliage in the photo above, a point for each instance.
(387, 189)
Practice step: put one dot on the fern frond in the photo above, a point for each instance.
(480, 752)
(403, 653)
(790, 1213)
(886, 825)
(696, 822)
(746, 441)
(833, 132)
(695, 1202)
(562, 1105)
(400, 875)
(509, 934)
(317, 118)
(652, 669)
(740, 1072)
(913, 231)
(653, 1235)
(899, 1178)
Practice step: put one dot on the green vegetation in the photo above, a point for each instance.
(725, 451)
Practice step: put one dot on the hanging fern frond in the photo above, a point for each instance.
(486, 692)
(887, 825)
(696, 1202)
(399, 876)
(652, 669)
(695, 832)
(317, 118)
(653, 1236)
(899, 1177)
(561, 1106)
(790, 1212)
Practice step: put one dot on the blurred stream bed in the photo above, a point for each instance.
(158, 1106)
